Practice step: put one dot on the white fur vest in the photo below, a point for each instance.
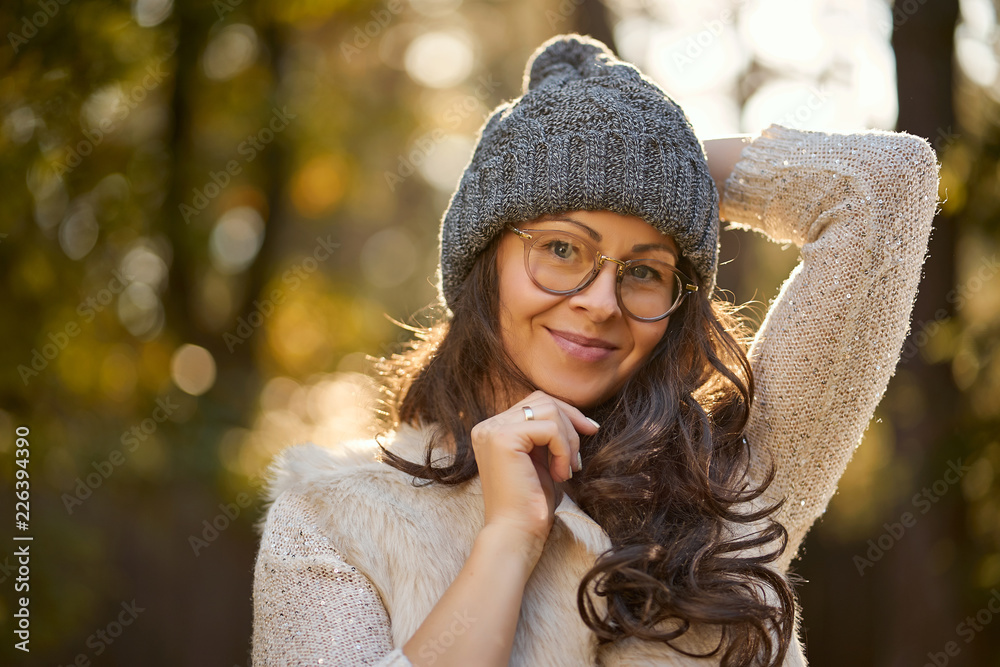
(346, 517)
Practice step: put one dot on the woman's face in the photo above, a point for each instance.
(579, 347)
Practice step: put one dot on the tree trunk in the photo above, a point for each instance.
(925, 608)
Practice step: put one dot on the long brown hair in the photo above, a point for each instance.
(663, 477)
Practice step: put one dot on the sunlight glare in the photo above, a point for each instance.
(439, 59)
(785, 34)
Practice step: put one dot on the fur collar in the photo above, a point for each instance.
(309, 463)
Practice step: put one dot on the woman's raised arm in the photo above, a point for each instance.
(860, 208)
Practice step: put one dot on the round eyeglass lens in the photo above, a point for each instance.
(561, 262)
(649, 288)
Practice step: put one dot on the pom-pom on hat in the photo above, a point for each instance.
(589, 132)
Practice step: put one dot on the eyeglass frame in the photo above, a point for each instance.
(687, 285)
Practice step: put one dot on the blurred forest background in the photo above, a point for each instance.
(209, 212)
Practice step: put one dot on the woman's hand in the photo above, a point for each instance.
(522, 461)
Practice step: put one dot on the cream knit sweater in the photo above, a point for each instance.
(353, 556)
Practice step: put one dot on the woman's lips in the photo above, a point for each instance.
(582, 347)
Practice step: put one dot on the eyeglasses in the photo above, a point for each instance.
(561, 262)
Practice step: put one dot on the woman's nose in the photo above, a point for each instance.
(600, 298)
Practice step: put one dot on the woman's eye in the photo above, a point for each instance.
(561, 249)
(645, 273)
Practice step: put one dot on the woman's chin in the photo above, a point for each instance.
(582, 398)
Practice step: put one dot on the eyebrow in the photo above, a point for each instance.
(639, 247)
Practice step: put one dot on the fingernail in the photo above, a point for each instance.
(579, 461)
(596, 425)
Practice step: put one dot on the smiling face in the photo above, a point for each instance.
(580, 347)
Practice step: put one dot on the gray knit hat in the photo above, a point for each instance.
(589, 132)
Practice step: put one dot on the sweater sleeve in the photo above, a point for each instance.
(310, 606)
(860, 208)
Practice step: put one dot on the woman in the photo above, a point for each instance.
(585, 466)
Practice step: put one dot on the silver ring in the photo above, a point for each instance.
(528, 414)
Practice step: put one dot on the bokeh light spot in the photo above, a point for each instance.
(140, 311)
(78, 232)
(318, 186)
(439, 59)
(144, 265)
(443, 164)
(231, 51)
(192, 369)
(149, 13)
(236, 239)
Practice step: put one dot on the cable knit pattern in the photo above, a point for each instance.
(354, 556)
